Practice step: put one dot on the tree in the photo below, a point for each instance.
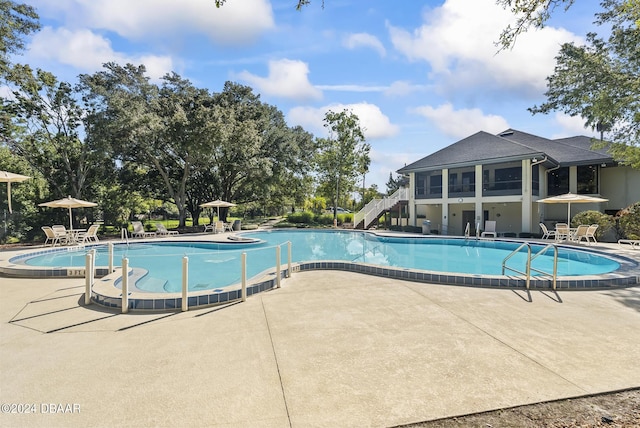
(156, 131)
(16, 20)
(49, 132)
(343, 156)
(255, 156)
(600, 82)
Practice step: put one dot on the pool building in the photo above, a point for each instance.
(500, 178)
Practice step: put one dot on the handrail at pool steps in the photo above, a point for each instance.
(530, 258)
(528, 265)
(555, 262)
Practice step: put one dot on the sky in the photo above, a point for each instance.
(420, 75)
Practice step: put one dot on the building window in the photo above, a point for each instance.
(558, 181)
(429, 184)
(535, 180)
(435, 184)
(588, 179)
(502, 179)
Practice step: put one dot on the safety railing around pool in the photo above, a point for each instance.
(186, 295)
(530, 258)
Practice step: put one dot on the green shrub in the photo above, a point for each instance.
(629, 225)
(345, 218)
(300, 217)
(605, 222)
(325, 219)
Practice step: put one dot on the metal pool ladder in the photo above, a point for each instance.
(530, 258)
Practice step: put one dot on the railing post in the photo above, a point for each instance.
(289, 259)
(277, 266)
(528, 265)
(243, 275)
(125, 285)
(88, 277)
(110, 247)
(185, 283)
(555, 265)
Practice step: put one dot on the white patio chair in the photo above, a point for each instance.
(489, 229)
(546, 233)
(139, 232)
(91, 235)
(163, 231)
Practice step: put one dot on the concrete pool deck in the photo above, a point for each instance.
(327, 349)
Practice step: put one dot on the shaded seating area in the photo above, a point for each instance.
(163, 231)
(139, 232)
(218, 227)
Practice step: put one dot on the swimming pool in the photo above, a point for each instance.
(214, 266)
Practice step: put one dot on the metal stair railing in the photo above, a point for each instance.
(530, 259)
(527, 273)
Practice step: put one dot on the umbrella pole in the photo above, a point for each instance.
(70, 219)
(9, 195)
(569, 214)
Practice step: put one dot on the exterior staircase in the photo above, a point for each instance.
(364, 218)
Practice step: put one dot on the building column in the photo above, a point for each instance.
(525, 205)
(478, 197)
(412, 198)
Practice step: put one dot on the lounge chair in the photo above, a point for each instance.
(52, 238)
(162, 230)
(591, 233)
(139, 232)
(546, 233)
(228, 227)
(562, 232)
(489, 229)
(219, 227)
(210, 227)
(62, 234)
(91, 235)
(633, 243)
(580, 233)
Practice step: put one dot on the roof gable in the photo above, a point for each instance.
(483, 147)
(480, 146)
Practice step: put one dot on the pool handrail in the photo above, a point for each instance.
(555, 262)
(528, 265)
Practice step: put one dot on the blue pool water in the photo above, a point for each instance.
(216, 265)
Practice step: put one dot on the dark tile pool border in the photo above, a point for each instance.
(628, 275)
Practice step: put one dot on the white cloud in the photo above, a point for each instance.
(287, 78)
(461, 123)
(359, 40)
(571, 126)
(401, 88)
(458, 41)
(374, 123)
(87, 51)
(237, 22)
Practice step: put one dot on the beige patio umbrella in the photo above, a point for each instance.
(69, 203)
(571, 198)
(217, 204)
(10, 177)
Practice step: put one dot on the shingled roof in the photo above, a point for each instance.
(509, 145)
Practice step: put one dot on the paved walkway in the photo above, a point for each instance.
(328, 349)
